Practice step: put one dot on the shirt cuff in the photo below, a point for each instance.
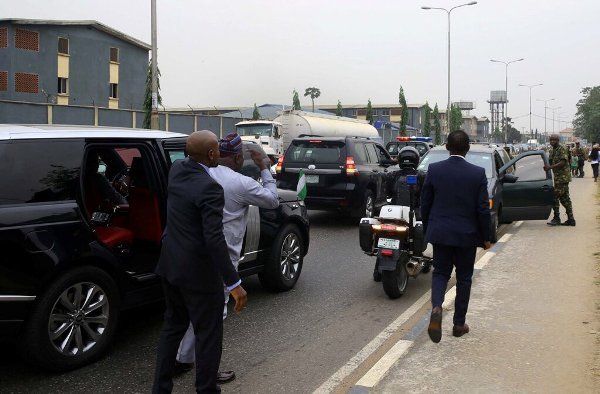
(266, 176)
(233, 286)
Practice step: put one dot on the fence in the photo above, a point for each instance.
(41, 113)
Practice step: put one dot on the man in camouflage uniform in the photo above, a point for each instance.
(559, 165)
(582, 156)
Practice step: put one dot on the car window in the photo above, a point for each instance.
(392, 149)
(530, 168)
(373, 158)
(481, 159)
(505, 159)
(39, 171)
(360, 155)
(176, 154)
(498, 161)
(421, 148)
(383, 155)
(314, 151)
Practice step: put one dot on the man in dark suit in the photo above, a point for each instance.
(194, 263)
(456, 220)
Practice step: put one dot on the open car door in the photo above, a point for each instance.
(530, 197)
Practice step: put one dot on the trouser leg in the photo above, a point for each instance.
(464, 259)
(176, 321)
(442, 269)
(595, 170)
(562, 190)
(580, 164)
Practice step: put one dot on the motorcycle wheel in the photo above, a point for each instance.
(394, 282)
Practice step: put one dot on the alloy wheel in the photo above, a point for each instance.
(369, 207)
(78, 319)
(290, 256)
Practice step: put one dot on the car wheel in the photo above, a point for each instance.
(395, 282)
(494, 229)
(368, 206)
(74, 321)
(284, 263)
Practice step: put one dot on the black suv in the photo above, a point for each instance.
(518, 188)
(342, 173)
(393, 147)
(82, 211)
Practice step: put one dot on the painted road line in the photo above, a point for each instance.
(505, 238)
(338, 377)
(518, 224)
(375, 374)
(482, 262)
(449, 298)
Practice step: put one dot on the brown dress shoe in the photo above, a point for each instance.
(225, 377)
(435, 325)
(459, 331)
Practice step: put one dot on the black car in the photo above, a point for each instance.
(342, 173)
(394, 147)
(82, 211)
(519, 188)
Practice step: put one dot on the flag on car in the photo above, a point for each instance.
(301, 189)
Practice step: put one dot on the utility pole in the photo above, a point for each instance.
(154, 115)
(530, 87)
(506, 64)
(545, 117)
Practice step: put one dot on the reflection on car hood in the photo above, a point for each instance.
(287, 195)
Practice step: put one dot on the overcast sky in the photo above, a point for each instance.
(241, 52)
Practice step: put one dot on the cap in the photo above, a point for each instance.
(230, 145)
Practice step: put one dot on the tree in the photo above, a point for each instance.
(313, 93)
(497, 134)
(514, 136)
(437, 125)
(369, 112)
(148, 95)
(587, 118)
(255, 113)
(296, 102)
(456, 120)
(404, 111)
(339, 110)
(426, 120)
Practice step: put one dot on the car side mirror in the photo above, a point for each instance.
(387, 162)
(509, 178)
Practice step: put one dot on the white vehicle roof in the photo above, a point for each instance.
(21, 132)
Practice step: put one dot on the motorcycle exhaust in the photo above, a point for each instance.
(414, 267)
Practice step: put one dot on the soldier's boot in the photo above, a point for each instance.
(570, 221)
(555, 221)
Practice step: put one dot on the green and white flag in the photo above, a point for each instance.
(301, 189)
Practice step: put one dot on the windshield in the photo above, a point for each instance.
(318, 152)
(395, 147)
(255, 129)
(481, 159)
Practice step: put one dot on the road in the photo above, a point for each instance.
(288, 342)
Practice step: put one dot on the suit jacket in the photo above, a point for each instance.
(455, 204)
(194, 253)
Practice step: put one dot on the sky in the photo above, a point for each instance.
(240, 52)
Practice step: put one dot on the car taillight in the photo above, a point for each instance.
(351, 166)
(390, 228)
(279, 165)
(387, 252)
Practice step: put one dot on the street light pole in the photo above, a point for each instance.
(506, 92)
(553, 109)
(154, 114)
(530, 87)
(545, 117)
(448, 12)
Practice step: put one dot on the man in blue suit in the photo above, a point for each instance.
(456, 220)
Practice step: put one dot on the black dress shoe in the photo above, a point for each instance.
(435, 325)
(181, 368)
(459, 331)
(225, 377)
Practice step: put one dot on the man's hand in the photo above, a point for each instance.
(546, 168)
(487, 245)
(240, 297)
(259, 160)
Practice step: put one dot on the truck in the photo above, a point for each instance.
(274, 136)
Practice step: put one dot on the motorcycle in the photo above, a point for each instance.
(396, 238)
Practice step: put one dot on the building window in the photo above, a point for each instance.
(26, 83)
(3, 81)
(385, 112)
(63, 45)
(114, 90)
(4, 37)
(63, 85)
(27, 39)
(114, 55)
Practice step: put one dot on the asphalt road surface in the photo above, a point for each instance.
(287, 342)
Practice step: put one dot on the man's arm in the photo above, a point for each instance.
(483, 211)
(426, 199)
(264, 196)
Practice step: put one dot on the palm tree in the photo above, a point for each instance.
(313, 93)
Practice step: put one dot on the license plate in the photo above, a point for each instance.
(388, 243)
(312, 178)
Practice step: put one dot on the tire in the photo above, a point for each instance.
(494, 229)
(395, 282)
(284, 263)
(367, 209)
(82, 336)
(376, 273)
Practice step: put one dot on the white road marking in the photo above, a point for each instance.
(518, 224)
(482, 262)
(375, 374)
(449, 298)
(505, 238)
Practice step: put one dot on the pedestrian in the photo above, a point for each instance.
(593, 158)
(194, 263)
(582, 156)
(558, 164)
(240, 192)
(456, 219)
(574, 162)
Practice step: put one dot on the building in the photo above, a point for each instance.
(81, 63)
(385, 113)
(567, 135)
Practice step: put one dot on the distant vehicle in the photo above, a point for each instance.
(347, 174)
(276, 135)
(421, 144)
